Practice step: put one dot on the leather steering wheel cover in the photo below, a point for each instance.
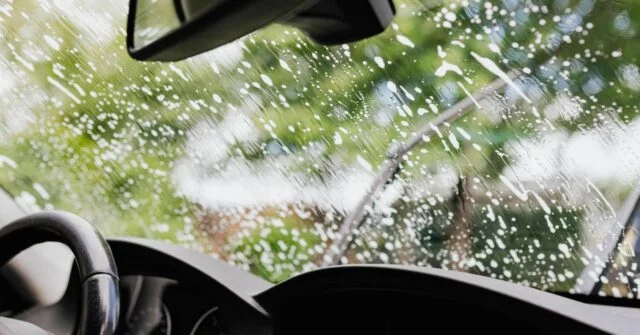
(100, 302)
(91, 251)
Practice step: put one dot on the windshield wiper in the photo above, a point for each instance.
(602, 254)
(392, 167)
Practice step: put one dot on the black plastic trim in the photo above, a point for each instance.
(232, 287)
(208, 23)
(556, 314)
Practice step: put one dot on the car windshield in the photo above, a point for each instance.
(499, 138)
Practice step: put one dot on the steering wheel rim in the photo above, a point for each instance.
(100, 298)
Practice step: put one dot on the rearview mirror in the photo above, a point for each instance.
(171, 30)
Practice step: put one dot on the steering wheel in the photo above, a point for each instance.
(100, 297)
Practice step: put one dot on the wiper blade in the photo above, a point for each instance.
(392, 166)
(602, 254)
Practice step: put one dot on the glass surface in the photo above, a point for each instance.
(256, 152)
(153, 20)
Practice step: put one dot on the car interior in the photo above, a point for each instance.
(63, 275)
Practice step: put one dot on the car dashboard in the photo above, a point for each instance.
(166, 289)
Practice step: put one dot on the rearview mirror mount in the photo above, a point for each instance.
(171, 30)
